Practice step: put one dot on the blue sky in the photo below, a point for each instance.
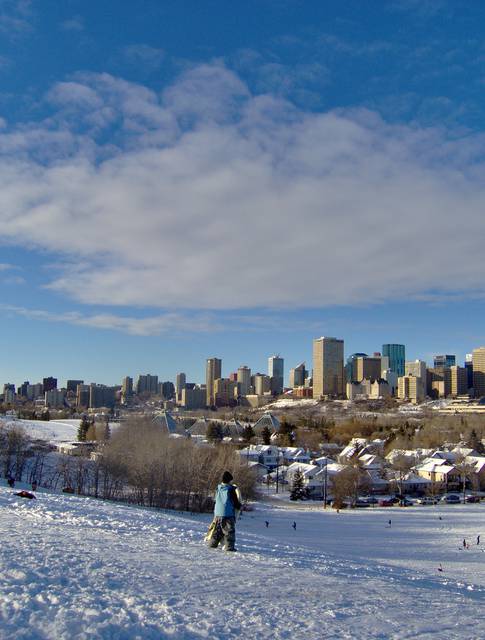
(186, 179)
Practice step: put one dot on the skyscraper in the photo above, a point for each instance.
(147, 384)
(276, 373)
(180, 381)
(297, 376)
(126, 388)
(397, 357)
(328, 367)
(469, 369)
(244, 380)
(479, 371)
(442, 361)
(213, 371)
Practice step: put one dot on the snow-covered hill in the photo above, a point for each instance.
(74, 567)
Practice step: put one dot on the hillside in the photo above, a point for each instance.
(74, 567)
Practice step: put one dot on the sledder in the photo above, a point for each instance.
(227, 507)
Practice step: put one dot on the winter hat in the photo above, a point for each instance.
(227, 477)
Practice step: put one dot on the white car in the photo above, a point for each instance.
(427, 500)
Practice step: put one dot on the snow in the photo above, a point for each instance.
(284, 403)
(53, 431)
(79, 568)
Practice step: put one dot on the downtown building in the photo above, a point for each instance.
(213, 371)
(328, 368)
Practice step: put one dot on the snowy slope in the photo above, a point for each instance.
(51, 430)
(73, 567)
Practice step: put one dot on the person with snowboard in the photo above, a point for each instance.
(224, 523)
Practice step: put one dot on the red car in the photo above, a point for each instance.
(386, 503)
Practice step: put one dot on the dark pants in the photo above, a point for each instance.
(225, 529)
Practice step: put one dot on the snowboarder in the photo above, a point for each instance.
(224, 523)
(464, 543)
(390, 523)
(478, 539)
(266, 523)
(440, 568)
(294, 525)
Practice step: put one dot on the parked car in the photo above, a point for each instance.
(361, 504)
(451, 499)
(406, 502)
(427, 500)
(386, 503)
(471, 498)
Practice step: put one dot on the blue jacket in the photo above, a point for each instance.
(226, 501)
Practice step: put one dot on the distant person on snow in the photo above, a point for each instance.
(294, 526)
(267, 525)
(11, 482)
(478, 539)
(224, 523)
(464, 543)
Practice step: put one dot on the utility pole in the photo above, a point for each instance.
(325, 486)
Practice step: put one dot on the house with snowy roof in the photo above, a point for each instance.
(440, 472)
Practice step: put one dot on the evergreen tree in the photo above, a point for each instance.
(83, 429)
(298, 491)
(266, 435)
(248, 433)
(214, 432)
(474, 442)
(287, 433)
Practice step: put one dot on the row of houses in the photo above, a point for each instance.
(418, 471)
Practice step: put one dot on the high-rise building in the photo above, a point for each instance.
(71, 385)
(367, 368)
(49, 383)
(167, 390)
(22, 390)
(458, 381)
(442, 361)
(224, 391)
(261, 384)
(193, 397)
(350, 366)
(180, 381)
(479, 371)
(126, 388)
(397, 357)
(55, 398)
(297, 376)
(410, 388)
(147, 384)
(469, 369)
(213, 371)
(328, 367)
(276, 371)
(417, 368)
(101, 396)
(244, 381)
(82, 395)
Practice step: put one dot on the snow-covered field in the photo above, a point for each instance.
(53, 431)
(73, 567)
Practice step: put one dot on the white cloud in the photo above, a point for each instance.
(148, 326)
(210, 197)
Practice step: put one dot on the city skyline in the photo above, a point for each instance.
(172, 185)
